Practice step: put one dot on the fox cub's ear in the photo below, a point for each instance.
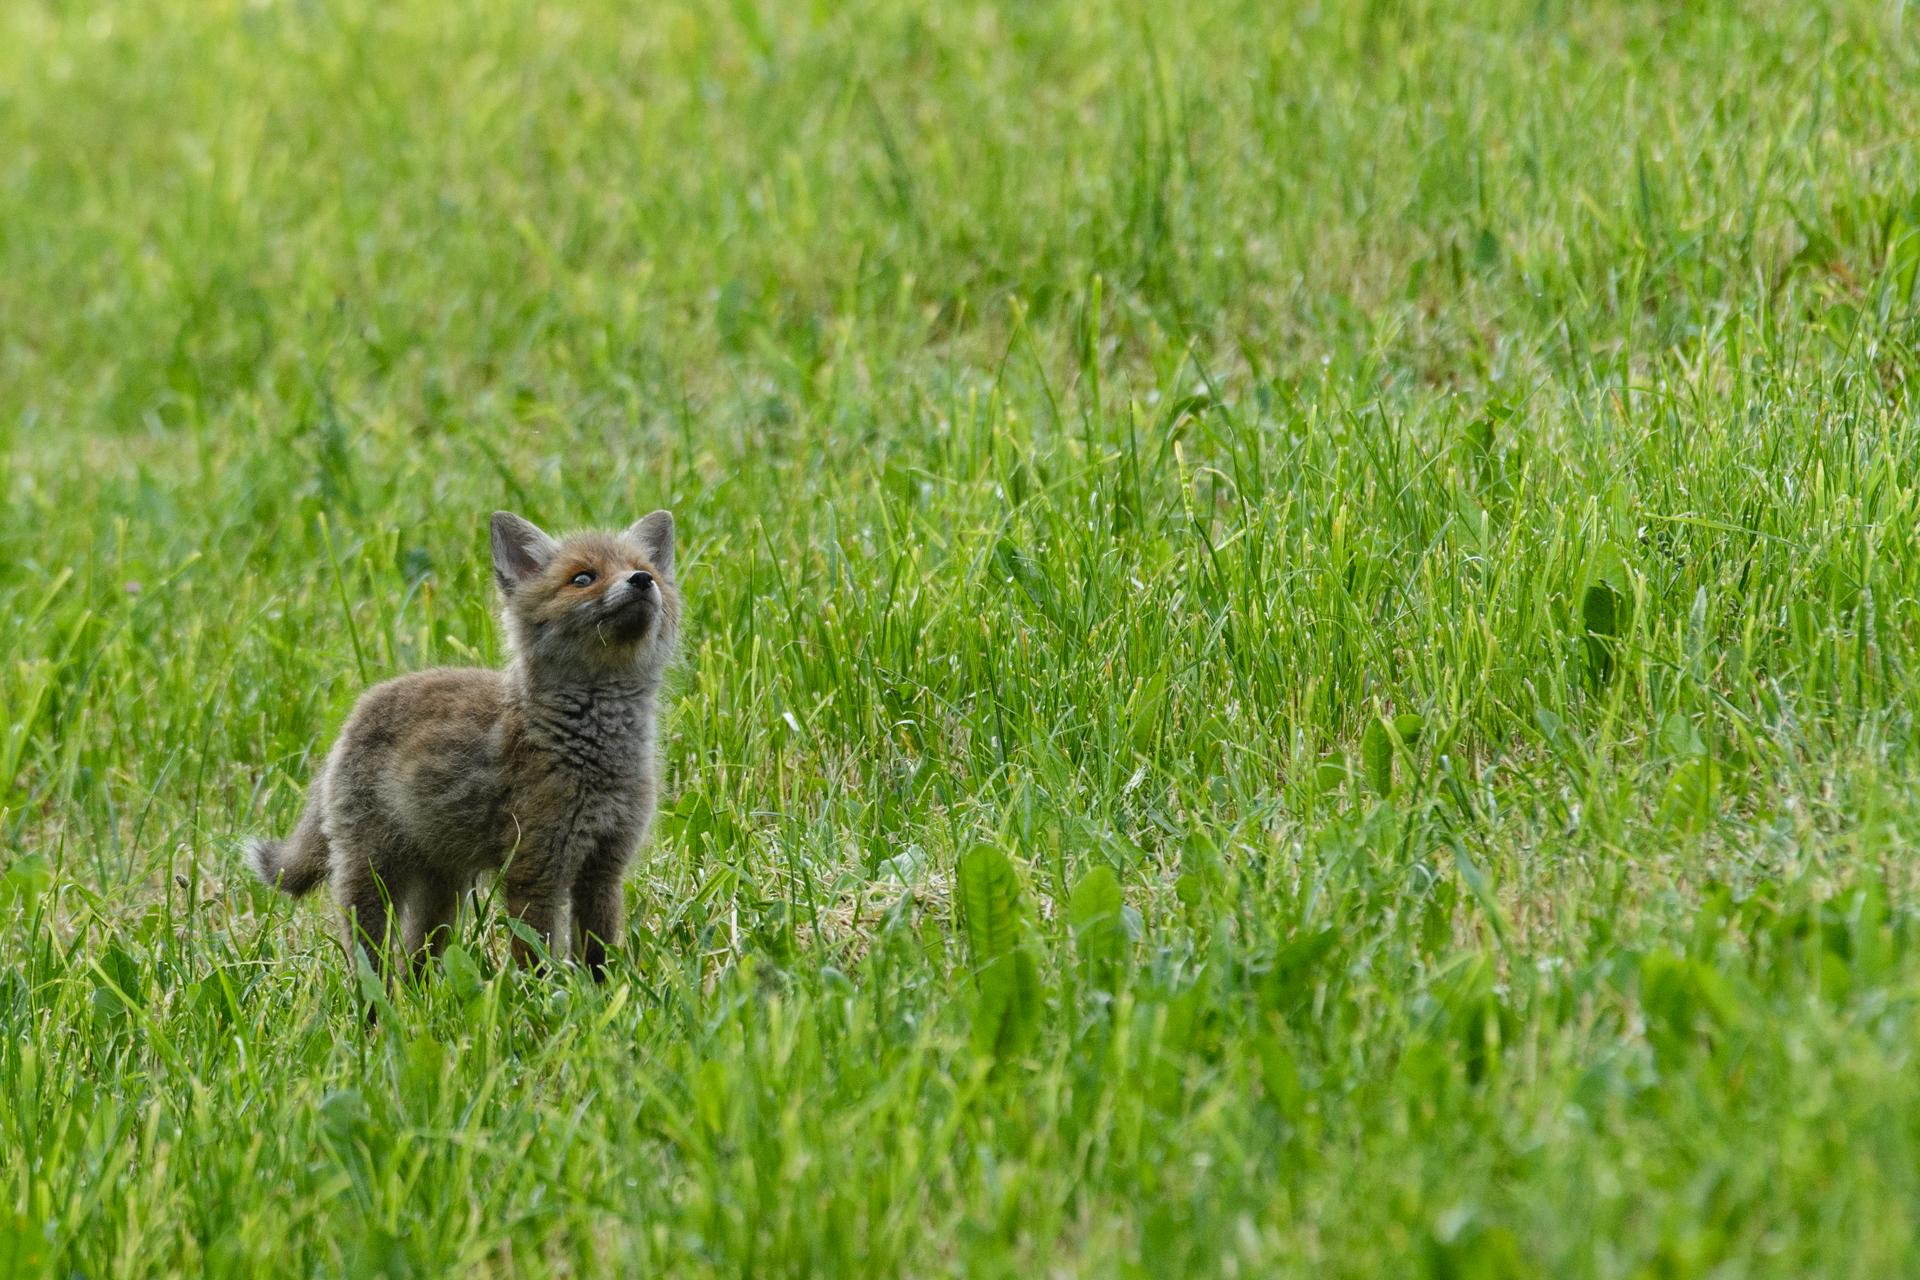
(520, 550)
(654, 533)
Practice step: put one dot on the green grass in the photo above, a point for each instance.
(1413, 503)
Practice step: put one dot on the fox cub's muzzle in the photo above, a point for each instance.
(632, 605)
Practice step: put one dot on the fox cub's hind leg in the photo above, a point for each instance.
(410, 918)
(368, 910)
(429, 906)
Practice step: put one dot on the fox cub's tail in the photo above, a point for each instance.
(297, 864)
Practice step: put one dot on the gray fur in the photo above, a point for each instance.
(546, 772)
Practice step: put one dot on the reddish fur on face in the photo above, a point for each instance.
(545, 771)
(550, 596)
(554, 622)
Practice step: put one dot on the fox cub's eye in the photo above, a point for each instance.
(584, 578)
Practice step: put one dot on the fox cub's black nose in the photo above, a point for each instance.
(640, 580)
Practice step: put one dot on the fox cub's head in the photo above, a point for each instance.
(596, 602)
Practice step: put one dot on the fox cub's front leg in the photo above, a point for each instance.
(536, 891)
(597, 907)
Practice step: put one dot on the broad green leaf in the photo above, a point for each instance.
(1376, 753)
(1192, 890)
(1330, 772)
(462, 974)
(1094, 915)
(1007, 1009)
(124, 972)
(1408, 726)
(1679, 737)
(26, 878)
(1692, 793)
(1278, 1073)
(1289, 981)
(1603, 612)
(1144, 708)
(989, 904)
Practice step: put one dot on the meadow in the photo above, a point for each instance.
(1301, 640)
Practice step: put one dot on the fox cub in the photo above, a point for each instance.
(547, 769)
